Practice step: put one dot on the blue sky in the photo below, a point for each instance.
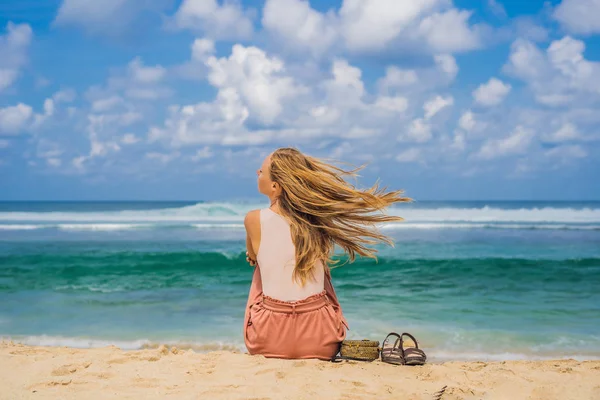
(181, 100)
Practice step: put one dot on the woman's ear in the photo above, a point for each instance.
(275, 187)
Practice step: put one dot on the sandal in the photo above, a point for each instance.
(399, 355)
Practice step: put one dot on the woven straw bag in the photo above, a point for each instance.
(364, 350)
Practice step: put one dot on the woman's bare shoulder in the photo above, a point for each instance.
(252, 220)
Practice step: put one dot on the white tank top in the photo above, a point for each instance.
(277, 260)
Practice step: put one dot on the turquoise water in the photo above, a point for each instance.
(472, 280)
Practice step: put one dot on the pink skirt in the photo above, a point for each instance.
(310, 328)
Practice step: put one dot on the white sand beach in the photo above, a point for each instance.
(32, 372)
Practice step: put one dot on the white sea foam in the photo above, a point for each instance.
(216, 226)
(190, 214)
(86, 343)
(435, 354)
(91, 288)
(238, 226)
(398, 226)
(18, 227)
(82, 343)
(226, 214)
(101, 227)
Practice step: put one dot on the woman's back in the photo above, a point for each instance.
(292, 309)
(284, 319)
(277, 260)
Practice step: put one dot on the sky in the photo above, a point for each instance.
(182, 100)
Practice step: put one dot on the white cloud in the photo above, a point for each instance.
(49, 107)
(250, 77)
(83, 11)
(324, 115)
(136, 81)
(447, 63)
(163, 158)
(435, 105)
(491, 93)
(13, 51)
(419, 131)
(579, 16)
(516, 143)
(341, 150)
(49, 151)
(195, 68)
(219, 122)
(54, 162)
(526, 61)
(554, 100)
(467, 121)
(566, 55)
(559, 76)
(142, 74)
(107, 103)
(296, 24)
(469, 126)
(258, 101)
(347, 85)
(396, 77)
(528, 28)
(368, 26)
(397, 104)
(458, 141)
(98, 148)
(218, 20)
(128, 118)
(497, 8)
(78, 162)
(129, 138)
(7, 77)
(202, 154)
(108, 17)
(419, 82)
(567, 132)
(449, 32)
(411, 155)
(202, 48)
(147, 93)
(14, 119)
(105, 131)
(64, 96)
(115, 121)
(566, 152)
(373, 24)
(18, 36)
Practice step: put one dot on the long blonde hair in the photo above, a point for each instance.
(325, 210)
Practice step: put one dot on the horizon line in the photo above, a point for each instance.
(239, 199)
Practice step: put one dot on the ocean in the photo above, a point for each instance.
(480, 280)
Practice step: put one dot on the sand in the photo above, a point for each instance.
(32, 372)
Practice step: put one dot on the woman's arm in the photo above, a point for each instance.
(250, 256)
(252, 225)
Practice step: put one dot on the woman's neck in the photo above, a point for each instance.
(274, 206)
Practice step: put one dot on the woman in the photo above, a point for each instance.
(292, 310)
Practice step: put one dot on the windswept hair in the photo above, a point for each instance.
(325, 210)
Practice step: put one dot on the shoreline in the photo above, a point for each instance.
(435, 355)
(168, 372)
